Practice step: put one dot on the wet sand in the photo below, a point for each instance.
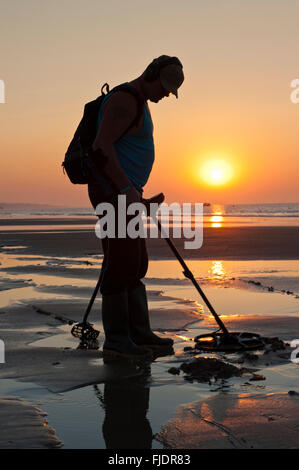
(46, 280)
(24, 426)
(218, 423)
(235, 243)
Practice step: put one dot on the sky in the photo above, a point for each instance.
(239, 60)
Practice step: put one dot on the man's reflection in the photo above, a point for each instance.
(126, 403)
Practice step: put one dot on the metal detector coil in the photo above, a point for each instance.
(232, 342)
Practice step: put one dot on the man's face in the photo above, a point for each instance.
(157, 92)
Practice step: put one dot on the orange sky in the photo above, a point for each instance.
(239, 60)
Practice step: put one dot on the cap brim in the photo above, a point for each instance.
(169, 87)
(174, 92)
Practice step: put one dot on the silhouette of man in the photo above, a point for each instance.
(130, 157)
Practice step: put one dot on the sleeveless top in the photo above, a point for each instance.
(135, 152)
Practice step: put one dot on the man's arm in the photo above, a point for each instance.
(118, 113)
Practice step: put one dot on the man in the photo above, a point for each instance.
(130, 156)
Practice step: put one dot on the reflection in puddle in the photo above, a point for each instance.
(9, 260)
(13, 247)
(216, 221)
(126, 404)
(217, 270)
(184, 338)
(25, 294)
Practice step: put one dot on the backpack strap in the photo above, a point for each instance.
(132, 91)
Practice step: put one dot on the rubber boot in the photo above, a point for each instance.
(140, 330)
(115, 319)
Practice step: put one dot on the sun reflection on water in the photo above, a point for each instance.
(216, 221)
(217, 270)
(184, 338)
(216, 218)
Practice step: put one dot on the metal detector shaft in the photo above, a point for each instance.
(95, 293)
(187, 273)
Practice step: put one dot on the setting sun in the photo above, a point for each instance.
(216, 172)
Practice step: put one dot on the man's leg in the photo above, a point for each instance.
(120, 270)
(125, 263)
(120, 273)
(140, 330)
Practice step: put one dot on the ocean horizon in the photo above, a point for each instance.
(232, 210)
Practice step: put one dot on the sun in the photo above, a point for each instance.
(216, 172)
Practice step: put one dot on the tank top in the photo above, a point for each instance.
(135, 152)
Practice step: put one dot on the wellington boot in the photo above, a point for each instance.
(116, 327)
(140, 330)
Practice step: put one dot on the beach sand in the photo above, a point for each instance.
(250, 274)
(236, 243)
(24, 426)
(218, 423)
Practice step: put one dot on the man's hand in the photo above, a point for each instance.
(133, 196)
(157, 199)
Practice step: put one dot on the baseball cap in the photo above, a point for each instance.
(172, 77)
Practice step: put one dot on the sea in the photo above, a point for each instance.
(214, 215)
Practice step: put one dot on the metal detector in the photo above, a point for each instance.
(220, 340)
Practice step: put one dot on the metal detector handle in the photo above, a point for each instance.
(188, 274)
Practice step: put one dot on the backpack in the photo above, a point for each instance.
(81, 163)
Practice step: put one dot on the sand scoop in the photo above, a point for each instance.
(85, 330)
(220, 340)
